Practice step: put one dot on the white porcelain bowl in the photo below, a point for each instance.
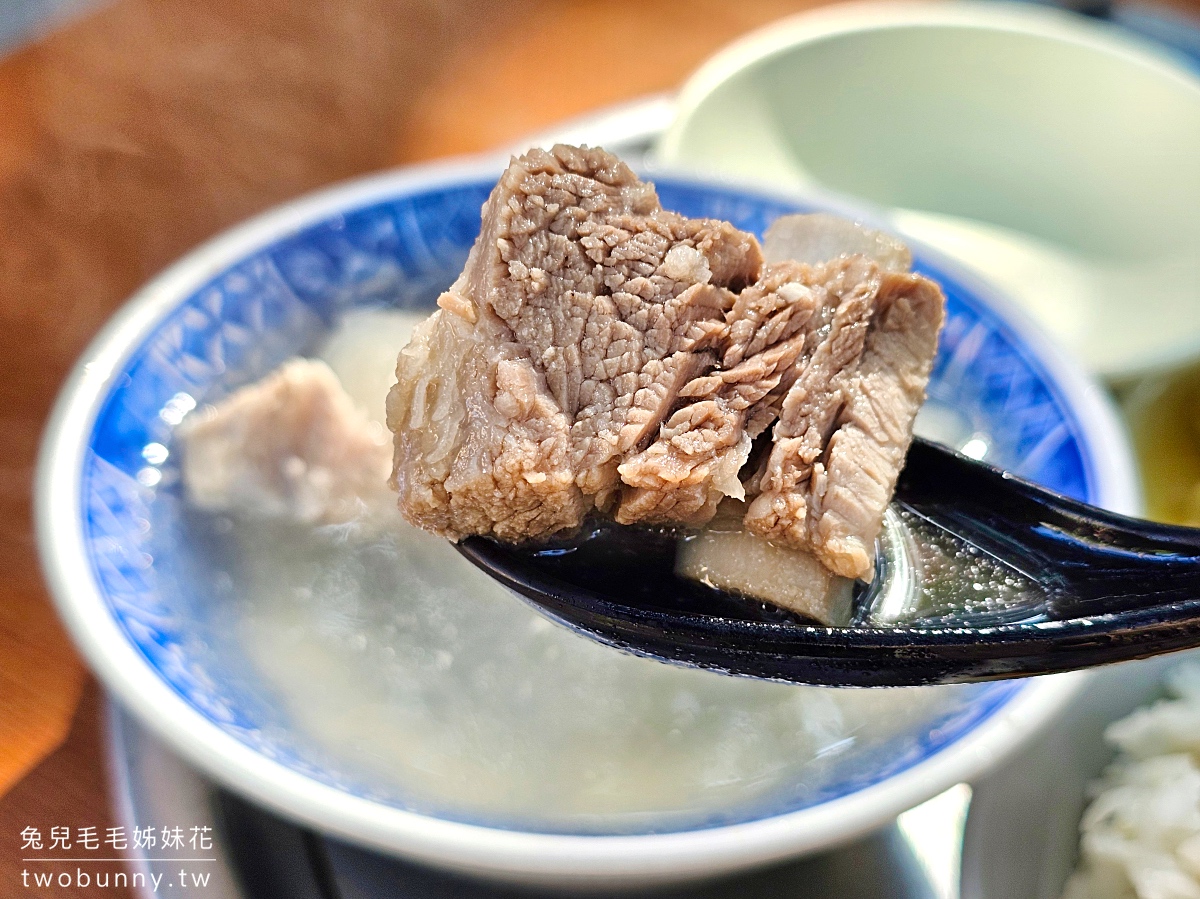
(1054, 154)
(110, 529)
(1022, 834)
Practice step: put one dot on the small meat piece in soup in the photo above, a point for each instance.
(292, 446)
(846, 423)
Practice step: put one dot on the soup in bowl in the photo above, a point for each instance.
(370, 682)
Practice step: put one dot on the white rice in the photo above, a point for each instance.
(1141, 832)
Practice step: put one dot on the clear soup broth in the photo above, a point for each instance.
(394, 667)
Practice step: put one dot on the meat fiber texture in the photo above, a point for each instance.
(599, 354)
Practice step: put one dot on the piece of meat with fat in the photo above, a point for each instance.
(600, 353)
(846, 423)
(583, 309)
(697, 458)
(293, 446)
(485, 449)
(871, 335)
(845, 379)
(796, 322)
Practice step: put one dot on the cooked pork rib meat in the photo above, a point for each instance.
(846, 422)
(600, 353)
(293, 446)
(583, 308)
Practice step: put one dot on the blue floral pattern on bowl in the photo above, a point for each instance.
(403, 251)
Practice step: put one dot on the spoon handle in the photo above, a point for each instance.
(1090, 562)
(1103, 588)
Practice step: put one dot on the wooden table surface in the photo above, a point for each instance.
(130, 135)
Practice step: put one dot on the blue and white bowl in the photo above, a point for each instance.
(233, 309)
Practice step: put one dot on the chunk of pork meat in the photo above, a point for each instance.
(697, 457)
(293, 446)
(846, 423)
(600, 353)
(583, 309)
(840, 353)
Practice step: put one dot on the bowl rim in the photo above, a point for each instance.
(747, 54)
(524, 856)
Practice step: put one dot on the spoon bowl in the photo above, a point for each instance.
(980, 575)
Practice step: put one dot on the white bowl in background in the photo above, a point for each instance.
(1056, 155)
(1022, 832)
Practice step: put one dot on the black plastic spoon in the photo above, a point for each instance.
(1061, 585)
